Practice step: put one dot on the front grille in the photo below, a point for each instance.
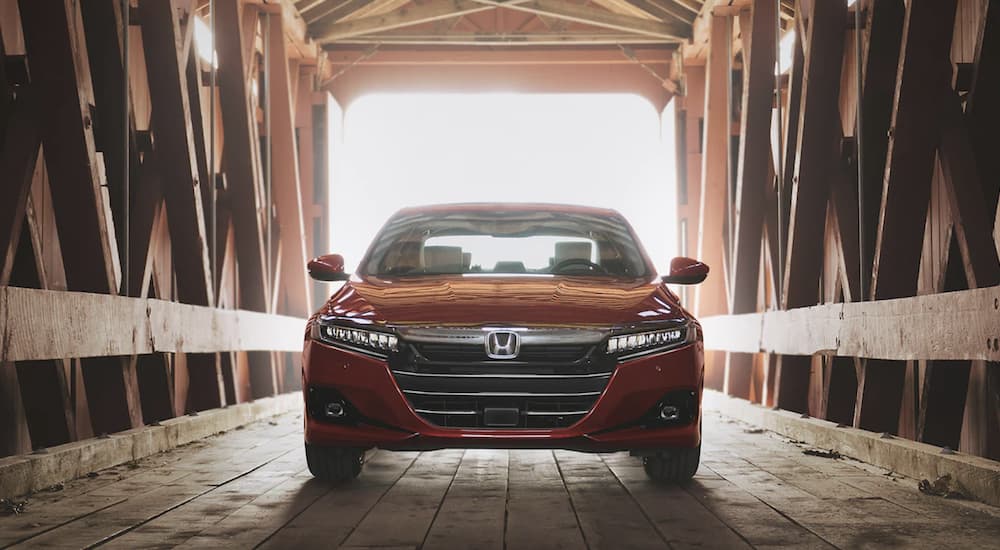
(543, 353)
(548, 385)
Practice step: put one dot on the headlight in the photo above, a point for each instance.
(627, 346)
(371, 341)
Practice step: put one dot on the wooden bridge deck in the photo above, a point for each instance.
(250, 488)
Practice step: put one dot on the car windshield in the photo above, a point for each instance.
(528, 242)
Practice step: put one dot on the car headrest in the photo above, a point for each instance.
(576, 250)
(509, 267)
(443, 258)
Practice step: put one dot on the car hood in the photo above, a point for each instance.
(484, 300)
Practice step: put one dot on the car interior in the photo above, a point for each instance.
(568, 257)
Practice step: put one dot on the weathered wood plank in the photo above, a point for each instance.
(608, 516)
(711, 297)
(56, 50)
(171, 124)
(818, 142)
(473, 512)
(680, 518)
(246, 204)
(131, 326)
(286, 187)
(970, 209)
(915, 131)
(883, 34)
(960, 325)
(752, 172)
(405, 514)
(924, 70)
(539, 510)
(17, 163)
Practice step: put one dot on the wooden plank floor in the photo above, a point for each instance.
(250, 488)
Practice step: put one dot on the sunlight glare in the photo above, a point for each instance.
(403, 150)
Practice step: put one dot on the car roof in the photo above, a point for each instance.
(505, 206)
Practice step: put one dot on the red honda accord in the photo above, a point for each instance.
(504, 326)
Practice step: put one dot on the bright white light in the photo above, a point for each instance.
(414, 149)
(203, 41)
(786, 49)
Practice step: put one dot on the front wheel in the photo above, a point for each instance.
(674, 465)
(334, 464)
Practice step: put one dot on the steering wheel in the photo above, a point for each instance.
(582, 262)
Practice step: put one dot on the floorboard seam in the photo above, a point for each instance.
(572, 505)
(291, 519)
(722, 520)
(123, 532)
(506, 505)
(67, 522)
(378, 500)
(779, 512)
(441, 502)
(639, 506)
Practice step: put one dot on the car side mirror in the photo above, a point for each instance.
(685, 271)
(328, 267)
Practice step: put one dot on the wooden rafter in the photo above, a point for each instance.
(504, 39)
(561, 9)
(331, 13)
(663, 10)
(426, 13)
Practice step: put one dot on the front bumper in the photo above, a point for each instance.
(612, 425)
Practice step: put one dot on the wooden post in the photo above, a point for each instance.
(752, 176)
(234, 45)
(924, 70)
(285, 177)
(710, 296)
(817, 149)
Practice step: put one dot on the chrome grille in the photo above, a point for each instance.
(553, 382)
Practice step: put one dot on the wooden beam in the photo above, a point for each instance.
(17, 163)
(239, 153)
(915, 130)
(711, 296)
(924, 70)
(962, 326)
(135, 326)
(171, 124)
(754, 154)
(332, 12)
(969, 209)
(818, 149)
(504, 39)
(982, 108)
(754, 176)
(663, 10)
(426, 13)
(57, 52)
(883, 35)
(286, 187)
(560, 9)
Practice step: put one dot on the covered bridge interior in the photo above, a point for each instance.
(160, 197)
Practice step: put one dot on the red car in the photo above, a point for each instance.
(504, 326)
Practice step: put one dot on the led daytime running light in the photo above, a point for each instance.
(628, 343)
(368, 339)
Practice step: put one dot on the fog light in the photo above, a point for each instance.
(669, 413)
(335, 410)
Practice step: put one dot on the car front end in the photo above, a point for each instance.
(502, 360)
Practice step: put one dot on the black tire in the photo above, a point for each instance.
(334, 464)
(673, 466)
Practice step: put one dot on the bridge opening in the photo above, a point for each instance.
(400, 150)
